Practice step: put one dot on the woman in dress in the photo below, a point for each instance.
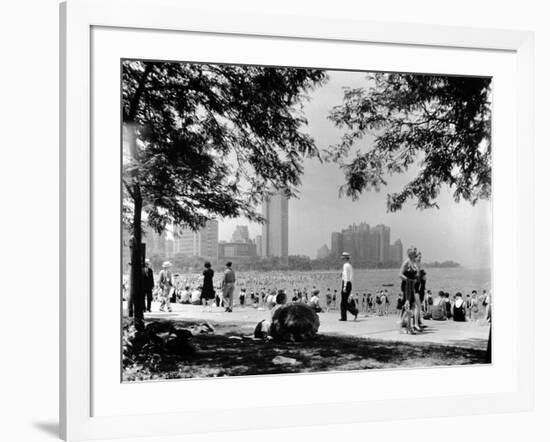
(409, 277)
(208, 294)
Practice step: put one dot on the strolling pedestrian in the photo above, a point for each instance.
(228, 286)
(167, 285)
(207, 293)
(149, 284)
(347, 280)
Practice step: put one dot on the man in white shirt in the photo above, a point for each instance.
(347, 279)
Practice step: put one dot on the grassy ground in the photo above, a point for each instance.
(232, 352)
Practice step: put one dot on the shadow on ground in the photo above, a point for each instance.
(231, 351)
(50, 428)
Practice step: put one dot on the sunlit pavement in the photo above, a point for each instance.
(463, 334)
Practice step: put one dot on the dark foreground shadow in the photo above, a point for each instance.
(231, 351)
(50, 428)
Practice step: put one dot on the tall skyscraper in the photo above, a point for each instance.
(275, 228)
(383, 236)
(348, 242)
(208, 241)
(258, 243)
(336, 243)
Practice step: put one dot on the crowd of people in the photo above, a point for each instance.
(413, 303)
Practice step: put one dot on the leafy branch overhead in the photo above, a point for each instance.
(212, 140)
(441, 124)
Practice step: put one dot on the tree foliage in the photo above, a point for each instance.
(440, 123)
(212, 139)
(204, 141)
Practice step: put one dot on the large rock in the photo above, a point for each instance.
(294, 322)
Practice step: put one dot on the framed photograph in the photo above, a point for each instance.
(326, 220)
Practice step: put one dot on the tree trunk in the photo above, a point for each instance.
(137, 292)
(136, 304)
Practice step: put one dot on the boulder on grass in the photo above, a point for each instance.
(294, 322)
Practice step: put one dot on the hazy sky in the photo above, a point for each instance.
(460, 232)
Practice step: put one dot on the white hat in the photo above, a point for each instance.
(147, 260)
(166, 264)
(346, 255)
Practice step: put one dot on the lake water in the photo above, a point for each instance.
(450, 280)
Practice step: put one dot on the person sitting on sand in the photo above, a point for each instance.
(314, 302)
(262, 328)
(242, 297)
(196, 296)
(438, 309)
(458, 308)
(186, 296)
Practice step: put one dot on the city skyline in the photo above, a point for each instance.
(456, 231)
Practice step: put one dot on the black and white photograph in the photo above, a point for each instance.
(290, 220)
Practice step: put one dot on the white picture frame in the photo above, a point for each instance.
(79, 380)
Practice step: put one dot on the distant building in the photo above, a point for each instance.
(396, 252)
(240, 234)
(258, 243)
(336, 243)
(169, 249)
(367, 246)
(275, 228)
(383, 233)
(348, 242)
(155, 242)
(203, 243)
(323, 252)
(235, 251)
(208, 241)
(186, 242)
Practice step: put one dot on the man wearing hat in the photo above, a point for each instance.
(347, 278)
(165, 283)
(149, 283)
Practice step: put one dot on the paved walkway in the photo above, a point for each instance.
(462, 334)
